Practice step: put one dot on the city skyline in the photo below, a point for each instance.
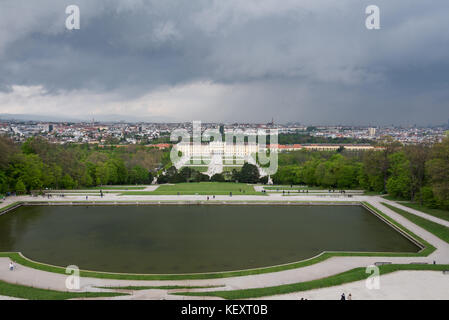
(135, 120)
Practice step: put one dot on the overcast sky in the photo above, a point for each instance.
(304, 61)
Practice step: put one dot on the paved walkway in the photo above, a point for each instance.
(8, 298)
(401, 285)
(418, 213)
(332, 266)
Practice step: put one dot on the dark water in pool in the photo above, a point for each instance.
(180, 239)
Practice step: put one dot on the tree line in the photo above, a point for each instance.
(413, 172)
(249, 173)
(306, 138)
(38, 165)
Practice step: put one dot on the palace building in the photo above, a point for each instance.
(224, 149)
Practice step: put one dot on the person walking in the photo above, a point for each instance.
(349, 296)
(343, 296)
(11, 266)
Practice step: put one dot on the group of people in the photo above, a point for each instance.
(343, 297)
(333, 191)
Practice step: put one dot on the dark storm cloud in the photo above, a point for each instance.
(309, 61)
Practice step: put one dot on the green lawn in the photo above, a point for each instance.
(202, 188)
(199, 163)
(437, 229)
(372, 193)
(280, 188)
(338, 279)
(388, 197)
(230, 169)
(117, 188)
(9, 206)
(197, 168)
(24, 292)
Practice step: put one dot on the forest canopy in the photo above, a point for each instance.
(38, 164)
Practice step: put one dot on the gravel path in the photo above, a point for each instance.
(401, 285)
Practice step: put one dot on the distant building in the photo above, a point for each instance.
(372, 132)
(217, 148)
(321, 147)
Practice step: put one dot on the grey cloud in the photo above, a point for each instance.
(306, 60)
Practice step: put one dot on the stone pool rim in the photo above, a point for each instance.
(18, 257)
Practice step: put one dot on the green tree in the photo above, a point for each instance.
(3, 183)
(139, 175)
(249, 173)
(287, 175)
(438, 170)
(399, 182)
(417, 156)
(67, 182)
(102, 174)
(218, 177)
(20, 187)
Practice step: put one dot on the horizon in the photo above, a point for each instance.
(43, 119)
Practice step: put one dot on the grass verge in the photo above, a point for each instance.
(356, 274)
(117, 188)
(9, 206)
(438, 213)
(30, 293)
(280, 188)
(437, 229)
(200, 188)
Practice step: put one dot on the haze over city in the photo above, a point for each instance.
(247, 61)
